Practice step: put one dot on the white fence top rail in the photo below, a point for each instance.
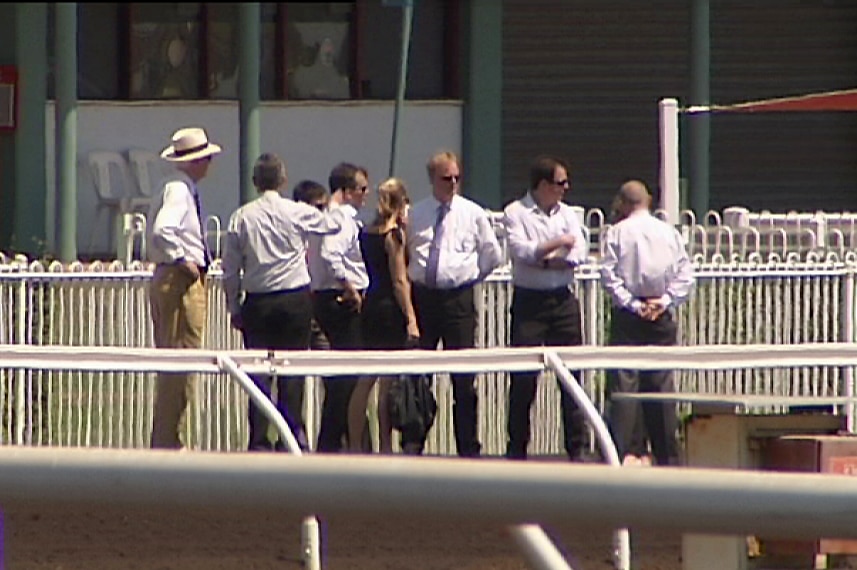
(345, 362)
(695, 500)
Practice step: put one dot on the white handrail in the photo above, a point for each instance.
(605, 442)
(517, 359)
(707, 501)
(310, 540)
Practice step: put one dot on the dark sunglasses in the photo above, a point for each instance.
(451, 178)
(561, 182)
(361, 188)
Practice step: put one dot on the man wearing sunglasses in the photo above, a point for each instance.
(546, 243)
(339, 281)
(451, 247)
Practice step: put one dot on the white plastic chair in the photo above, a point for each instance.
(111, 179)
(147, 168)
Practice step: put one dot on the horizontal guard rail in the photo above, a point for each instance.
(336, 362)
(719, 501)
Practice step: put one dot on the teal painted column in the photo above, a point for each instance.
(699, 124)
(66, 129)
(29, 221)
(248, 95)
(482, 140)
(8, 19)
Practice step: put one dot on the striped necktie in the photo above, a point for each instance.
(434, 249)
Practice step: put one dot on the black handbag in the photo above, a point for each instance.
(412, 405)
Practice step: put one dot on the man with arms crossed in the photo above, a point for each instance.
(546, 243)
(451, 247)
(646, 272)
(177, 292)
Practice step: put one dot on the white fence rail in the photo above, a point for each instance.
(736, 302)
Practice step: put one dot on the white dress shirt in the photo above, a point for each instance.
(528, 226)
(266, 242)
(338, 256)
(469, 250)
(644, 257)
(175, 232)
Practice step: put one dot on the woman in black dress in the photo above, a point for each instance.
(389, 321)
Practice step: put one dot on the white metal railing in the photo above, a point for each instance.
(735, 233)
(681, 501)
(735, 302)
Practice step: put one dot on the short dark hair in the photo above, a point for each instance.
(308, 192)
(543, 168)
(269, 172)
(343, 175)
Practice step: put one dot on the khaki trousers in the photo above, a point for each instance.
(179, 306)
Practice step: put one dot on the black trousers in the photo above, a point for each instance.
(343, 328)
(450, 316)
(543, 318)
(628, 329)
(279, 321)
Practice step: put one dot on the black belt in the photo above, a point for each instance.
(556, 292)
(334, 291)
(261, 294)
(458, 289)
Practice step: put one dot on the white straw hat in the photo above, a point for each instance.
(189, 144)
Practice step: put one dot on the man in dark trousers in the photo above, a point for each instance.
(265, 259)
(646, 271)
(339, 282)
(546, 243)
(451, 248)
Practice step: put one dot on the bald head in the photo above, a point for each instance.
(632, 195)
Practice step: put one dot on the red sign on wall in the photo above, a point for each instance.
(8, 97)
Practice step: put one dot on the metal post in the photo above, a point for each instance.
(538, 549)
(407, 25)
(310, 542)
(20, 373)
(699, 124)
(848, 336)
(66, 129)
(668, 123)
(248, 95)
(622, 538)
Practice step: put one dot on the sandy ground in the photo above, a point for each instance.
(66, 538)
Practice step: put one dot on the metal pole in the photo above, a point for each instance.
(248, 95)
(407, 25)
(538, 549)
(668, 124)
(310, 541)
(848, 336)
(699, 124)
(622, 539)
(20, 374)
(66, 129)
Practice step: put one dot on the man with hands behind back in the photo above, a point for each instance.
(646, 271)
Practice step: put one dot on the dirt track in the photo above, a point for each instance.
(65, 538)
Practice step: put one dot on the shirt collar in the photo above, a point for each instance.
(437, 203)
(348, 209)
(530, 203)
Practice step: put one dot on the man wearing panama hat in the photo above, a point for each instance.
(177, 291)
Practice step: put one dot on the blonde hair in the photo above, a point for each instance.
(439, 158)
(392, 199)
